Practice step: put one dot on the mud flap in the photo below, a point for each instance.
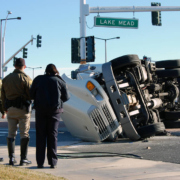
(118, 103)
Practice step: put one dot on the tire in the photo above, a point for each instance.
(174, 73)
(127, 60)
(172, 124)
(168, 64)
(151, 130)
(172, 115)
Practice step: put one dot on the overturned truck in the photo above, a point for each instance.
(127, 96)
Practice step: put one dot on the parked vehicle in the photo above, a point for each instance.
(126, 96)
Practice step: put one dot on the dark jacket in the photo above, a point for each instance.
(49, 92)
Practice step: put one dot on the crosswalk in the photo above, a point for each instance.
(3, 132)
(64, 138)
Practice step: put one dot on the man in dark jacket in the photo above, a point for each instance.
(49, 93)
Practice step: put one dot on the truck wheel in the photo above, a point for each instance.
(127, 60)
(174, 73)
(168, 64)
(172, 124)
(151, 130)
(172, 115)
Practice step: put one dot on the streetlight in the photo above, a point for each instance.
(33, 69)
(105, 44)
(2, 58)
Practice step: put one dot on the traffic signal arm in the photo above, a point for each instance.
(17, 52)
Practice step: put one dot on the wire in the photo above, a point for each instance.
(88, 26)
(94, 154)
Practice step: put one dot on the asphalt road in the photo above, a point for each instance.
(159, 148)
(164, 148)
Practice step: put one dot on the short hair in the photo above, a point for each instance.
(19, 62)
(51, 70)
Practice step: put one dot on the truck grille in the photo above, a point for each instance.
(98, 121)
(109, 117)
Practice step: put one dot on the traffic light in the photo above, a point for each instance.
(156, 15)
(75, 50)
(90, 49)
(144, 57)
(39, 41)
(25, 52)
(14, 60)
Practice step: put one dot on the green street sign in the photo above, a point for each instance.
(115, 22)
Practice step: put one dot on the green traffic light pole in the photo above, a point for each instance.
(105, 45)
(33, 69)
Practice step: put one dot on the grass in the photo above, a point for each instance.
(15, 173)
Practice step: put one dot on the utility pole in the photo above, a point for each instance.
(84, 8)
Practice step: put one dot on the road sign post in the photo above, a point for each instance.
(115, 22)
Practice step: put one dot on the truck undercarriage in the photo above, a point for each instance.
(127, 96)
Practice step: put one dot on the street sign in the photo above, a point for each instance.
(115, 22)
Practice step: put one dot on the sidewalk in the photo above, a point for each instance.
(104, 168)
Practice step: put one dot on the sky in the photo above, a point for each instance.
(57, 21)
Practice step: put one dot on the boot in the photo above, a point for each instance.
(1, 159)
(24, 150)
(11, 147)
